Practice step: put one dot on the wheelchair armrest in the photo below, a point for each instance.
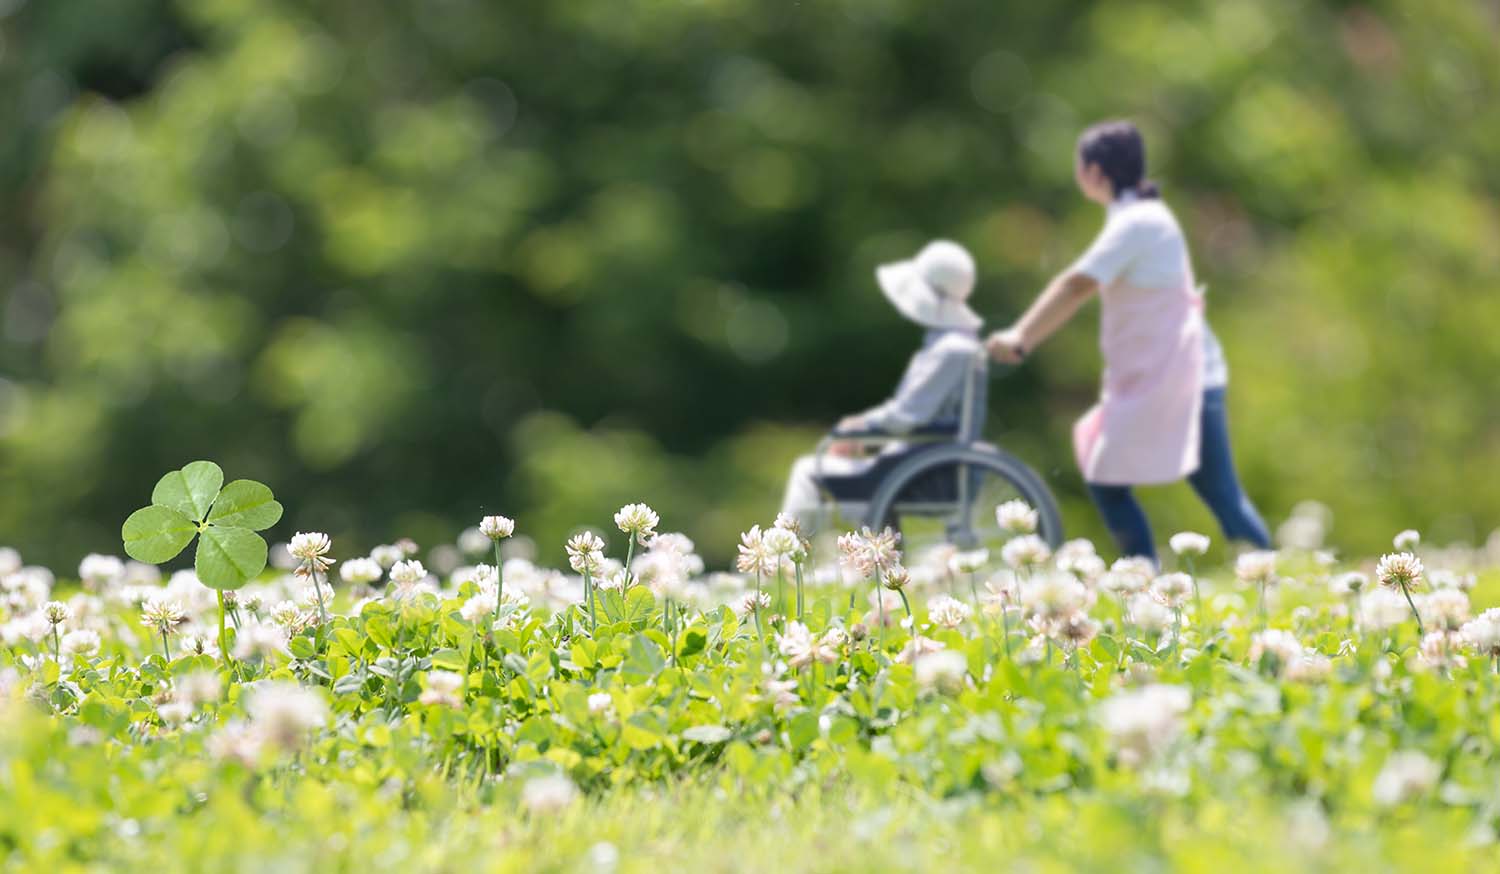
(932, 431)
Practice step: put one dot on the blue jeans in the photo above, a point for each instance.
(1214, 481)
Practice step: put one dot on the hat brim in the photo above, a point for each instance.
(912, 297)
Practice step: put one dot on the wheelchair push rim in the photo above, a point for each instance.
(949, 498)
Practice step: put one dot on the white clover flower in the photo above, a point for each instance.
(236, 741)
(637, 520)
(1024, 551)
(408, 573)
(472, 541)
(1382, 609)
(918, 647)
(174, 712)
(286, 614)
(194, 644)
(796, 645)
(1188, 543)
(754, 556)
(56, 612)
(896, 577)
(585, 552)
(162, 614)
(1442, 650)
(199, 687)
(948, 612)
(1053, 596)
(1441, 578)
(1077, 630)
(285, 713)
(387, 555)
(480, 607)
(1143, 723)
(1399, 570)
(10, 561)
(1446, 609)
(1016, 517)
(361, 571)
(1091, 569)
(310, 546)
(444, 688)
(1407, 541)
(1407, 775)
(259, 640)
(783, 542)
(945, 671)
(1483, 633)
(1173, 589)
(869, 554)
(82, 642)
(1276, 649)
(834, 638)
(497, 527)
(600, 703)
(99, 571)
(753, 601)
(548, 795)
(1257, 567)
(782, 694)
(968, 562)
(1148, 614)
(1351, 583)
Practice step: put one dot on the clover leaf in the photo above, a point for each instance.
(194, 502)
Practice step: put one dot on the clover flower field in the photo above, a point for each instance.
(827, 706)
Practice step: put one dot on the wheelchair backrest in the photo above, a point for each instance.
(975, 404)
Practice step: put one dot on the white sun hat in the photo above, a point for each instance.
(933, 288)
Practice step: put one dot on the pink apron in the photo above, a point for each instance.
(1145, 428)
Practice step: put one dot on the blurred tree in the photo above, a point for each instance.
(408, 263)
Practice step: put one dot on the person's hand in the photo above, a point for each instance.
(1006, 347)
(851, 423)
(845, 448)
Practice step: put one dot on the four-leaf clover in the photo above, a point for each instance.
(194, 502)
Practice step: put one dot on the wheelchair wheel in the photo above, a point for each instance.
(949, 496)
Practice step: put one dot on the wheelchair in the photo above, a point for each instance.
(941, 482)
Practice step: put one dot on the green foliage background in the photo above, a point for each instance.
(407, 262)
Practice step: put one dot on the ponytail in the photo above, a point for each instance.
(1120, 153)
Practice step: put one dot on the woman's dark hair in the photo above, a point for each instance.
(1119, 150)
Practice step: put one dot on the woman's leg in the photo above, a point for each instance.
(1125, 519)
(1216, 482)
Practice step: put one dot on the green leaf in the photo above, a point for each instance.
(450, 660)
(693, 642)
(246, 504)
(190, 491)
(228, 557)
(156, 534)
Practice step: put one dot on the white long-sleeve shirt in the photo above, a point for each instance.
(932, 388)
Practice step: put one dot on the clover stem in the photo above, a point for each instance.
(223, 635)
(322, 613)
(165, 653)
(499, 581)
(1415, 615)
(798, 566)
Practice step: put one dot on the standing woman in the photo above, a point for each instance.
(1160, 415)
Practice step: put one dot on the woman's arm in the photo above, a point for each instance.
(1051, 310)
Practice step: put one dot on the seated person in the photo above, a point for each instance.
(932, 290)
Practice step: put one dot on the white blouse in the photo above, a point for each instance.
(1142, 245)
